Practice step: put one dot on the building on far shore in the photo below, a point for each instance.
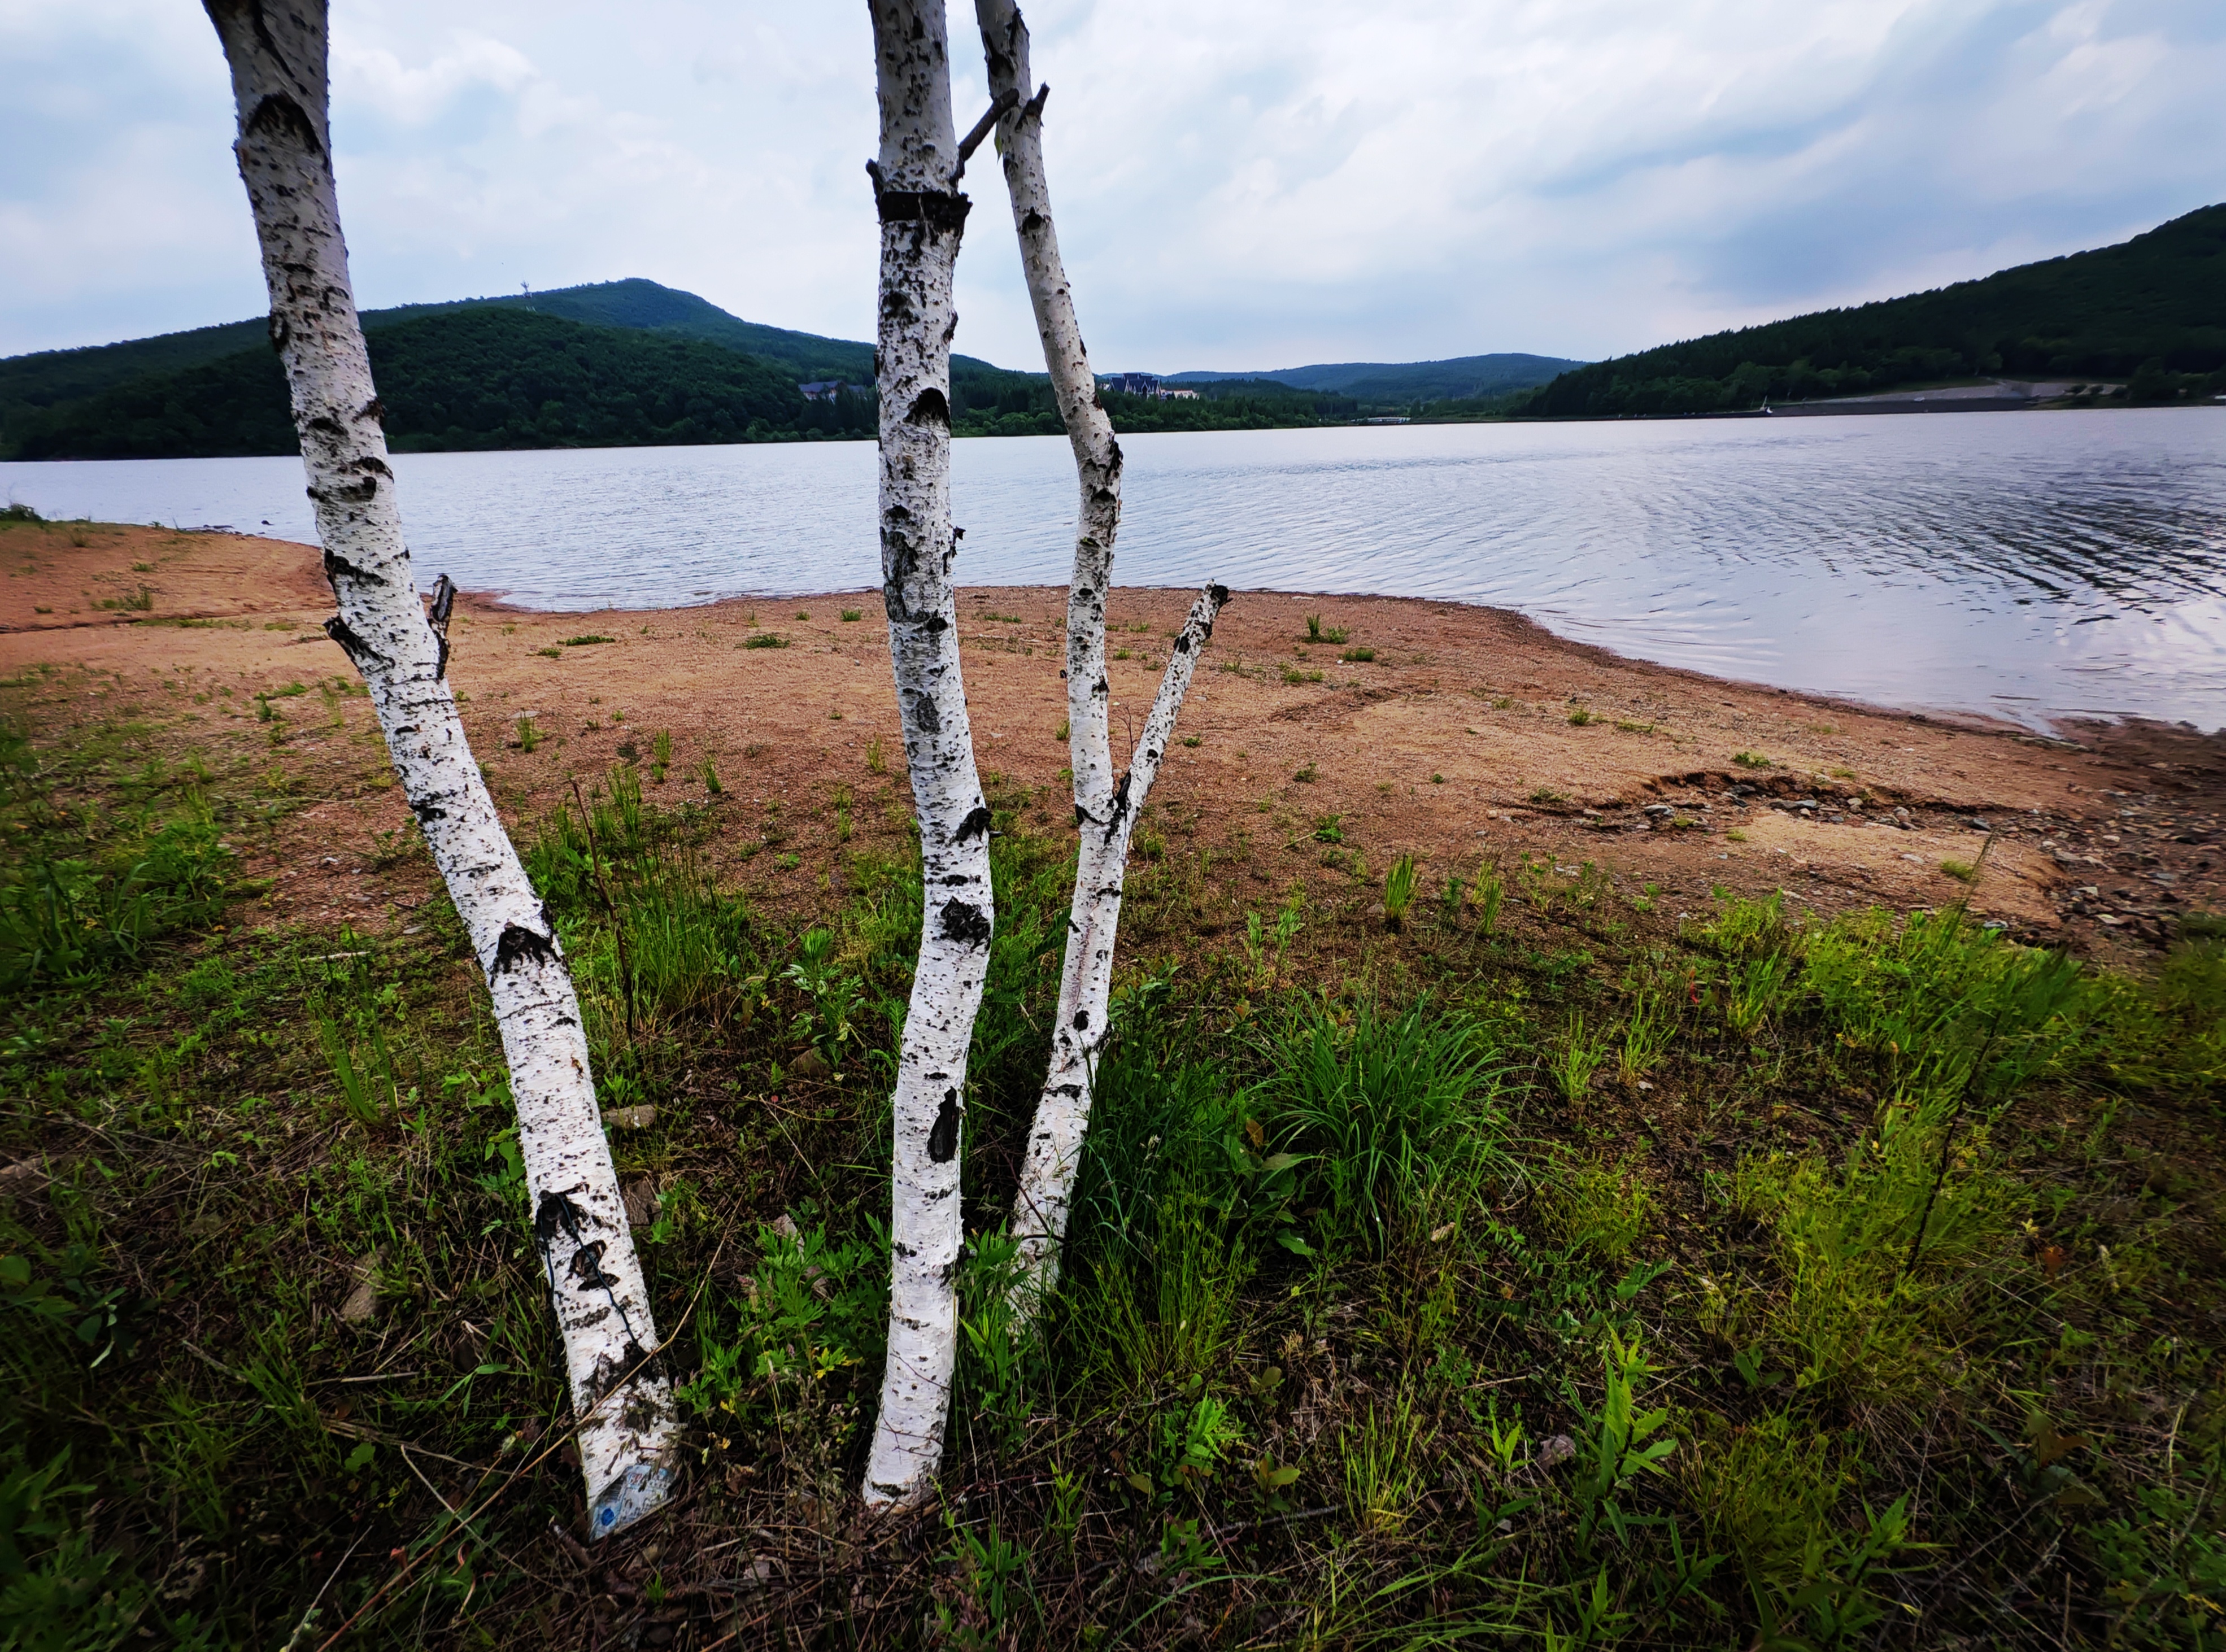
(1148, 385)
(822, 389)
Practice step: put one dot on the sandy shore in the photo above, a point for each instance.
(1469, 734)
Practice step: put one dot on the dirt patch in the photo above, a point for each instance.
(1452, 732)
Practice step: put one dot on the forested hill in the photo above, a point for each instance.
(484, 377)
(2151, 310)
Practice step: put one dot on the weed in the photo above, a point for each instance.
(1597, 1208)
(1318, 632)
(1547, 796)
(1329, 829)
(1359, 654)
(1962, 871)
(1399, 886)
(1752, 760)
(1573, 1064)
(876, 763)
(1648, 1032)
(1583, 717)
(1305, 775)
(764, 640)
(529, 734)
(851, 616)
(1294, 676)
(710, 775)
(660, 755)
(588, 639)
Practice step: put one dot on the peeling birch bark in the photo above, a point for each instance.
(623, 1401)
(1105, 811)
(922, 215)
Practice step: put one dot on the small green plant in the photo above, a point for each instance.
(1573, 1064)
(1547, 797)
(588, 639)
(1647, 1033)
(1192, 740)
(1399, 886)
(710, 775)
(1596, 1208)
(1294, 676)
(1065, 731)
(1306, 775)
(1329, 829)
(851, 616)
(1962, 871)
(764, 640)
(804, 613)
(1630, 728)
(1359, 654)
(1615, 1443)
(875, 762)
(1488, 891)
(660, 755)
(529, 734)
(1583, 717)
(1318, 632)
(1752, 760)
(1757, 989)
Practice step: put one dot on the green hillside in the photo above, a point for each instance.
(45, 395)
(473, 378)
(2151, 310)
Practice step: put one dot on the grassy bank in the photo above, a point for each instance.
(1539, 1264)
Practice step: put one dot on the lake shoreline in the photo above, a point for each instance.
(1449, 731)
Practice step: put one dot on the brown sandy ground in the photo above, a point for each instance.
(1458, 734)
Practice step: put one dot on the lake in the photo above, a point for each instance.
(2032, 566)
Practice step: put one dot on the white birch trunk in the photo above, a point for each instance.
(921, 216)
(627, 1422)
(1105, 811)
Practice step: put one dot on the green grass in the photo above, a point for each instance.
(1544, 1273)
(588, 639)
(764, 640)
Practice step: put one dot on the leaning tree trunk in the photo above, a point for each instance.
(921, 215)
(1105, 811)
(620, 1397)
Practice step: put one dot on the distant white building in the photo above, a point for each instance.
(1134, 383)
(822, 389)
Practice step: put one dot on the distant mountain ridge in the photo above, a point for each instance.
(1398, 383)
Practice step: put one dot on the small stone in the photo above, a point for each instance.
(1555, 1448)
(810, 1065)
(639, 1194)
(630, 1118)
(363, 1300)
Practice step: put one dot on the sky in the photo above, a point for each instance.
(1245, 184)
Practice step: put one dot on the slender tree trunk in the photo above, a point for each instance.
(922, 215)
(278, 55)
(1105, 811)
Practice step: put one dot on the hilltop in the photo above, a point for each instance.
(2152, 310)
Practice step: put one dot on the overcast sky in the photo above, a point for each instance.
(1240, 183)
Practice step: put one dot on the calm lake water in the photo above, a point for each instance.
(2029, 565)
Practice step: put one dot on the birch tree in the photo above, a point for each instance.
(922, 215)
(620, 1397)
(1105, 809)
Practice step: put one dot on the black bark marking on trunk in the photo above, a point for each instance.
(976, 823)
(1120, 810)
(361, 493)
(338, 568)
(943, 210)
(518, 942)
(925, 717)
(426, 811)
(1082, 1020)
(354, 646)
(278, 113)
(557, 1214)
(373, 463)
(587, 1266)
(931, 407)
(966, 923)
(1182, 644)
(281, 331)
(942, 1139)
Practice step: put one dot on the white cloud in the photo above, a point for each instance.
(1240, 185)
